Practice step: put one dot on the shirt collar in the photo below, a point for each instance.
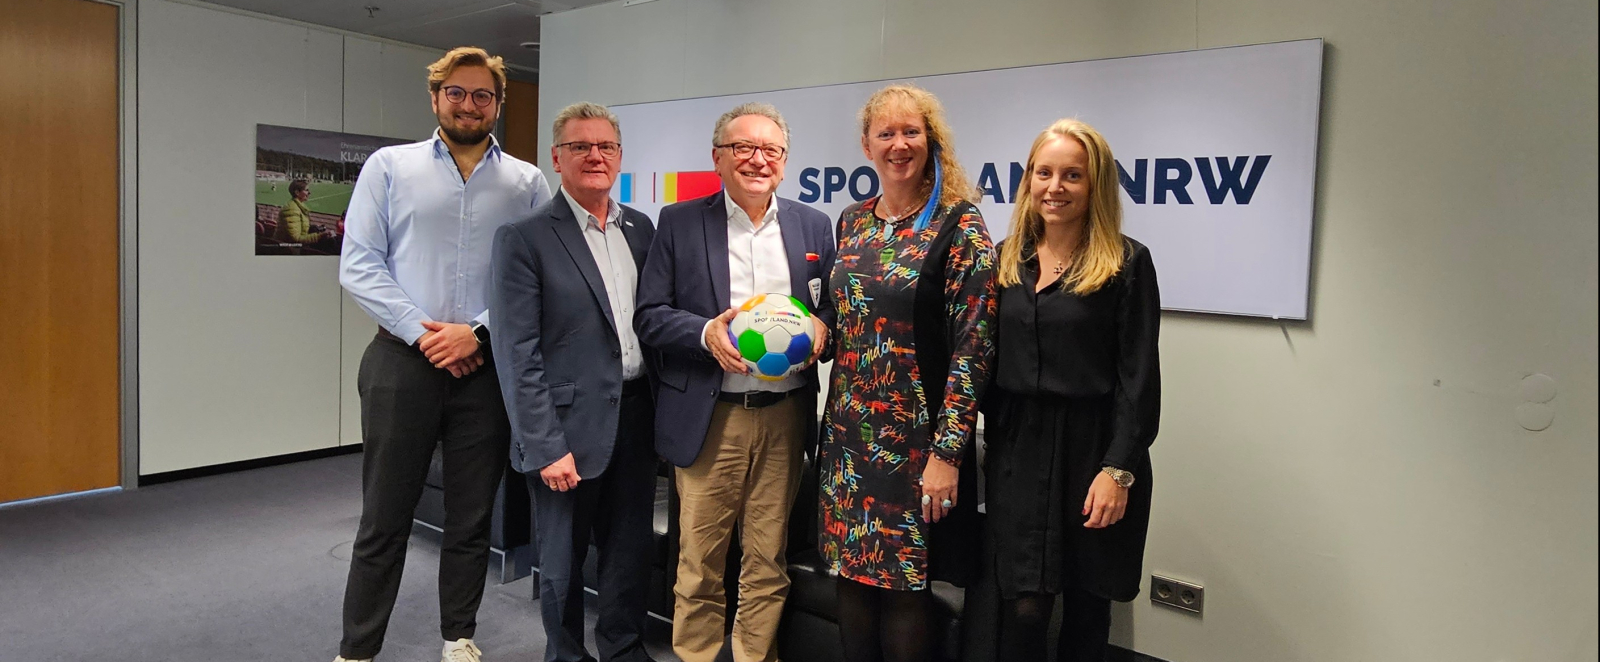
(586, 219)
(735, 211)
(442, 149)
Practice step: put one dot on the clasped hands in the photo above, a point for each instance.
(451, 347)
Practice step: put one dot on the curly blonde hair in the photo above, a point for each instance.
(956, 187)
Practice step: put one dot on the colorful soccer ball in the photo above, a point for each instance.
(773, 334)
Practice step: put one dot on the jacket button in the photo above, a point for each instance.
(615, 354)
(613, 399)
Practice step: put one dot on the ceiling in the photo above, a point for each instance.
(499, 26)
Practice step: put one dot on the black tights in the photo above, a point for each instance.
(1025, 627)
(880, 625)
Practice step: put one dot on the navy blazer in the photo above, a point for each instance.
(685, 284)
(555, 340)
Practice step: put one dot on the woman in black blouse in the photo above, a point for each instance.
(1073, 405)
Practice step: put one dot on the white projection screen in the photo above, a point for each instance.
(1218, 150)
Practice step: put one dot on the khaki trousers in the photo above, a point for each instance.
(746, 475)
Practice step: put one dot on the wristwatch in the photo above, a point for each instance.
(1123, 479)
(481, 332)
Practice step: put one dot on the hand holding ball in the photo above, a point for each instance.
(773, 335)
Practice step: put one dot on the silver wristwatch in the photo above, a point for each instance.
(1123, 479)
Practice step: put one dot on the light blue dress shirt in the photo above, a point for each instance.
(418, 239)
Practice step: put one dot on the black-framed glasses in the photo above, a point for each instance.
(458, 94)
(743, 150)
(581, 148)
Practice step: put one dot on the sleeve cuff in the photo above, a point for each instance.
(410, 329)
(944, 450)
(703, 335)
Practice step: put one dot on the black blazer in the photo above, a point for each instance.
(685, 284)
(555, 340)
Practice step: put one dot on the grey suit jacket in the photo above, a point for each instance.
(555, 340)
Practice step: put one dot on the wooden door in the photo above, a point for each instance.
(522, 120)
(59, 388)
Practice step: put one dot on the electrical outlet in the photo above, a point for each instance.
(1178, 594)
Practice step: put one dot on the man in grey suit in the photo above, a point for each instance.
(577, 389)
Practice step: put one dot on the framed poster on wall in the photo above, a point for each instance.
(303, 183)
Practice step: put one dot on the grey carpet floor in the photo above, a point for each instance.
(240, 567)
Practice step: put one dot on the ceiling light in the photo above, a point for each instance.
(531, 44)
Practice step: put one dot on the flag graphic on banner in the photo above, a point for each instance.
(679, 186)
(625, 188)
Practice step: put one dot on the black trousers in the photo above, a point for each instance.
(616, 509)
(408, 408)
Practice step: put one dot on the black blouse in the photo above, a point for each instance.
(1057, 343)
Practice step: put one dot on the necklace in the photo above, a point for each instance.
(914, 206)
(1060, 264)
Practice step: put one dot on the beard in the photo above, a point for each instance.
(462, 136)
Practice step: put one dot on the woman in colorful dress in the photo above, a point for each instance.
(1074, 404)
(913, 283)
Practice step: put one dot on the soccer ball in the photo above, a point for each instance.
(773, 335)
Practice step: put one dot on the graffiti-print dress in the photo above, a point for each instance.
(878, 428)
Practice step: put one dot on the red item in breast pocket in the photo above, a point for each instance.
(812, 257)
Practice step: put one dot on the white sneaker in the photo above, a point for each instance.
(342, 658)
(461, 650)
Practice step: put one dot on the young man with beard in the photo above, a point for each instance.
(416, 257)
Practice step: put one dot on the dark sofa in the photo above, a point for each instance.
(809, 632)
(510, 541)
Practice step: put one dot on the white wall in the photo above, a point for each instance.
(1351, 488)
(243, 357)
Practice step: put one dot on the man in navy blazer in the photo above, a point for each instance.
(736, 440)
(576, 384)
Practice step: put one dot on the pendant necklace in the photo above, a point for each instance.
(895, 218)
(1060, 265)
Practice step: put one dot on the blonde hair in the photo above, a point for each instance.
(957, 186)
(584, 110)
(1098, 258)
(467, 56)
(766, 110)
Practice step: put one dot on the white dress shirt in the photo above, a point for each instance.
(417, 238)
(621, 275)
(757, 264)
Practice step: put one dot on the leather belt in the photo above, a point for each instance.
(756, 399)
(384, 333)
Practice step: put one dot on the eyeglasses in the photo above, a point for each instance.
(457, 94)
(579, 148)
(747, 150)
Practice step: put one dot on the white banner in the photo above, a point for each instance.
(1218, 151)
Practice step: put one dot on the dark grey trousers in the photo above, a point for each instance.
(615, 509)
(408, 408)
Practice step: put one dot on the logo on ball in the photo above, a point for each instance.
(773, 335)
